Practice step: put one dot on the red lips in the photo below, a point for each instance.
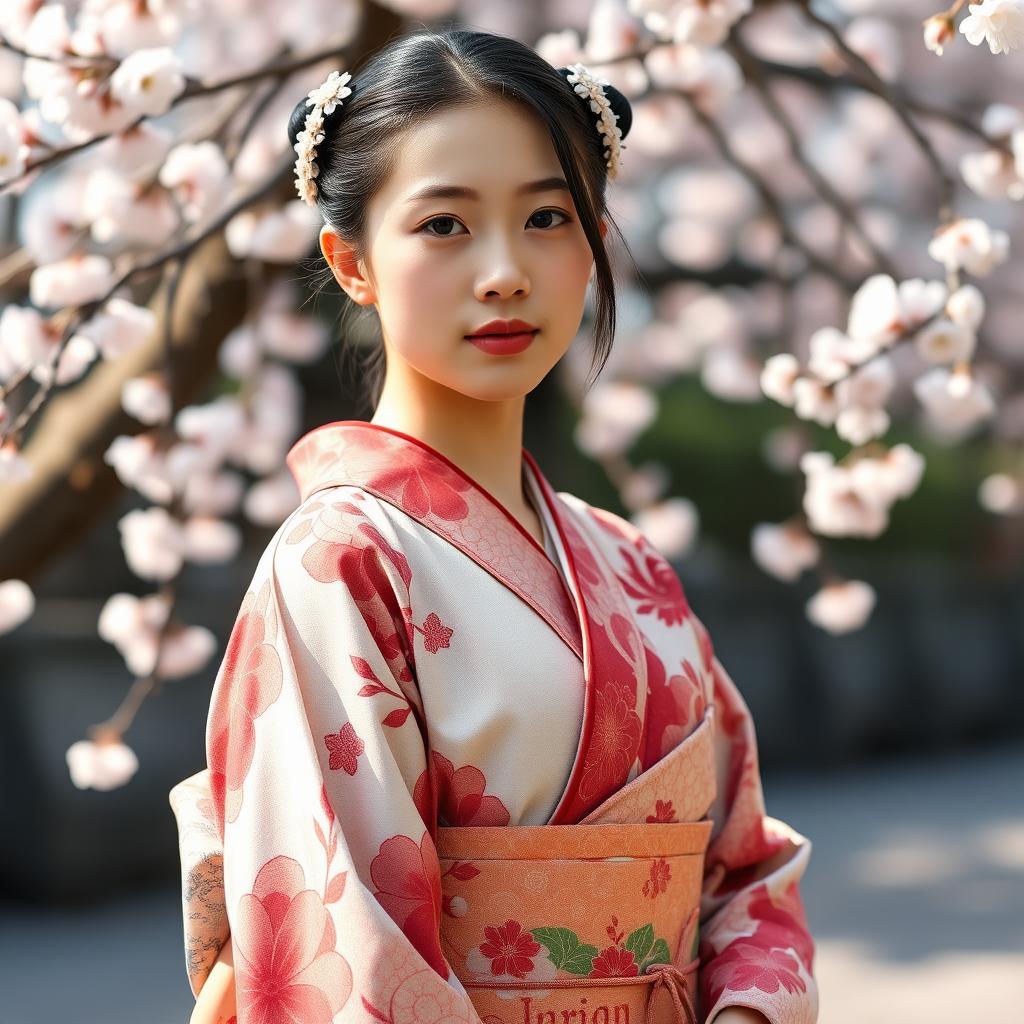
(503, 327)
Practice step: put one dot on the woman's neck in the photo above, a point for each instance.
(483, 438)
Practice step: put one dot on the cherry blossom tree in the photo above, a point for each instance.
(808, 200)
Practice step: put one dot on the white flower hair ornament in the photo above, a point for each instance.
(600, 94)
(324, 100)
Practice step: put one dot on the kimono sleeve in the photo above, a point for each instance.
(318, 790)
(755, 948)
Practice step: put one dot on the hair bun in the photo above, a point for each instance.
(618, 101)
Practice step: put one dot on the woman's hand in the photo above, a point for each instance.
(739, 1015)
(216, 1001)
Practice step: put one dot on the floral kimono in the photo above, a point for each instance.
(409, 663)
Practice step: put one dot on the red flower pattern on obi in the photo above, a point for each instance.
(435, 633)
(345, 747)
(614, 741)
(510, 949)
(744, 965)
(461, 795)
(663, 812)
(615, 962)
(408, 881)
(250, 683)
(425, 486)
(655, 586)
(660, 875)
(284, 938)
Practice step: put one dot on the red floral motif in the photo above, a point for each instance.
(663, 812)
(615, 962)
(613, 742)
(393, 719)
(461, 795)
(510, 949)
(408, 881)
(743, 965)
(660, 875)
(435, 633)
(782, 924)
(655, 586)
(285, 961)
(345, 747)
(249, 682)
(425, 486)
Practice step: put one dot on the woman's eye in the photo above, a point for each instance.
(440, 220)
(548, 213)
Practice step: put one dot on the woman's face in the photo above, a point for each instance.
(488, 244)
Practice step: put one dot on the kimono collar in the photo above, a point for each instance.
(417, 479)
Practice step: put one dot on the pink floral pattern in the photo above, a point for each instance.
(462, 797)
(658, 882)
(652, 583)
(408, 881)
(285, 963)
(435, 633)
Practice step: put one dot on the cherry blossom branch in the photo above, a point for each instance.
(878, 85)
(825, 189)
(768, 198)
(79, 314)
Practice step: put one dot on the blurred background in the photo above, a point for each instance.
(792, 170)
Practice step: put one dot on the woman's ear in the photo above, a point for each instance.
(345, 267)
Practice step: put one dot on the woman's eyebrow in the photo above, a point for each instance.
(442, 191)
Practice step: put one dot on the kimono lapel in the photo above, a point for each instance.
(423, 483)
(615, 670)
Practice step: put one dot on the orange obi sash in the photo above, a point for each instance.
(595, 923)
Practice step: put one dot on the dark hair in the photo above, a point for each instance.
(420, 73)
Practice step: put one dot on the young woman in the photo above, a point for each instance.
(470, 753)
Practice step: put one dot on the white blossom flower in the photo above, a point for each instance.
(72, 281)
(292, 337)
(153, 543)
(778, 377)
(148, 81)
(611, 32)
(216, 430)
(939, 31)
(1002, 494)
(270, 501)
(966, 307)
(147, 399)
(707, 22)
(955, 402)
(561, 49)
(209, 540)
(858, 424)
(731, 374)
(120, 327)
(1000, 23)
(710, 76)
(125, 615)
(106, 765)
(16, 604)
(283, 234)
(842, 607)
(869, 386)
(198, 175)
(119, 210)
(826, 362)
(814, 401)
(882, 311)
(969, 244)
(993, 174)
(215, 493)
(671, 525)
(833, 505)
(139, 465)
(944, 341)
(13, 151)
(784, 550)
(614, 415)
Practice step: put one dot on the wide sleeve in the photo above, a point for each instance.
(755, 949)
(317, 789)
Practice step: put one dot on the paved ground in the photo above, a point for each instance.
(915, 894)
